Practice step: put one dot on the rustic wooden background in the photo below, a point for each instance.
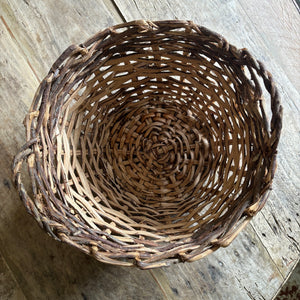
(33, 34)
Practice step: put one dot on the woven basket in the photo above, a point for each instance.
(149, 144)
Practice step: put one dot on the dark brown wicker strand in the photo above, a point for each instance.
(149, 144)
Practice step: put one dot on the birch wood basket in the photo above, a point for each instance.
(149, 144)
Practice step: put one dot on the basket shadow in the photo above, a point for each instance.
(48, 269)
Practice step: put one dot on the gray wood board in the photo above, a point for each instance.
(234, 272)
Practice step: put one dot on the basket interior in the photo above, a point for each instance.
(157, 134)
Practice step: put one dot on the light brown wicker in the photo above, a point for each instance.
(149, 144)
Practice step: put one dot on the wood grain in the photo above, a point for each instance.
(32, 35)
(9, 289)
(229, 273)
(43, 30)
(278, 23)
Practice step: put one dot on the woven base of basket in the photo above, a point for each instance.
(149, 144)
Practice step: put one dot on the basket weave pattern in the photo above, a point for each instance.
(149, 144)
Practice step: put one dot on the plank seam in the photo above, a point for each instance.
(286, 278)
(118, 10)
(297, 4)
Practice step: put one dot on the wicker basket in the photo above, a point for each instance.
(149, 144)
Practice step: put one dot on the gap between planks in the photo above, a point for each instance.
(286, 278)
(116, 7)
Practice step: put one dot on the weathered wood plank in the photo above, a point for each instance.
(229, 273)
(277, 226)
(9, 289)
(44, 268)
(43, 30)
(278, 23)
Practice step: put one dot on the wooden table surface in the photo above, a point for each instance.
(33, 34)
